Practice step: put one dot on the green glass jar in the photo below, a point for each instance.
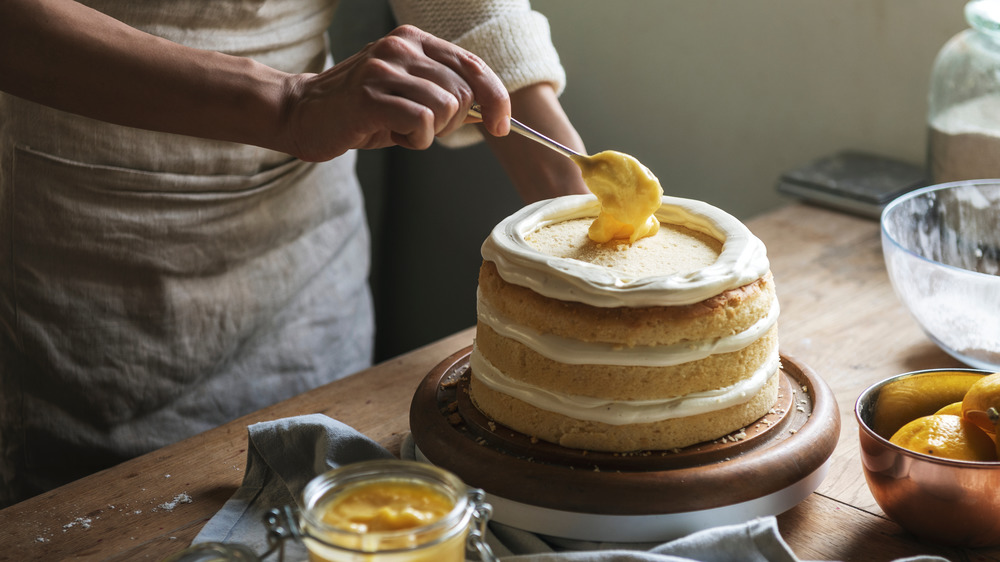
(964, 100)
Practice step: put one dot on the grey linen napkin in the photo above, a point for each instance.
(284, 455)
(755, 541)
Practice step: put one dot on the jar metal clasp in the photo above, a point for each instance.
(282, 525)
(481, 513)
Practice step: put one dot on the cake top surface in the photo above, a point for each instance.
(673, 249)
(653, 273)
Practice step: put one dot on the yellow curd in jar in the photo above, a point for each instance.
(387, 506)
(629, 195)
(387, 521)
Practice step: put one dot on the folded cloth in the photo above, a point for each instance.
(755, 541)
(284, 455)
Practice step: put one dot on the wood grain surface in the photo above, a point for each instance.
(839, 316)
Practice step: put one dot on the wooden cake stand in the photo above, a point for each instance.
(763, 469)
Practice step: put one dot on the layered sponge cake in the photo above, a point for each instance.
(661, 343)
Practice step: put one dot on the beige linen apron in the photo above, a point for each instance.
(153, 286)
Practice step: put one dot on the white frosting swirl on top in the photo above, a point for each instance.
(743, 258)
(575, 352)
(621, 412)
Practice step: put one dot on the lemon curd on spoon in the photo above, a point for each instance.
(628, 192)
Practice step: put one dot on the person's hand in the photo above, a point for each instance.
(403, 89)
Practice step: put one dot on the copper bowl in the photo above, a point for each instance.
(946, 501)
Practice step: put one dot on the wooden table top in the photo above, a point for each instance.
(839, 316)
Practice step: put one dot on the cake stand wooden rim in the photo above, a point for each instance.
(785, 459)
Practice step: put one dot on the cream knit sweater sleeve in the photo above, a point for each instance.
(508, 35)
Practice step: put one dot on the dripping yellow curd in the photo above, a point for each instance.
(629, 195)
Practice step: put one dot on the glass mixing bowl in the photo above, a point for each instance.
(942, 250)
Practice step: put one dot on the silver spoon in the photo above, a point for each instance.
(534, 135)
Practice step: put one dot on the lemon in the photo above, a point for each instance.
(946, 436)
(918, 395)
(953, 409)
(981, 404)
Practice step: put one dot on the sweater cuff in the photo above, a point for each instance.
(518, 48)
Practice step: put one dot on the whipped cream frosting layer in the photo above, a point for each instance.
(622, 412)
(575, 352)
(743, 258)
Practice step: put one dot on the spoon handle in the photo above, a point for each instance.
(532, 134)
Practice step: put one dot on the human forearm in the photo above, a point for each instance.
(402, 89)
(537, 172)
(68, 56)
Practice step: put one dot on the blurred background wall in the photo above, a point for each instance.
(716, 97)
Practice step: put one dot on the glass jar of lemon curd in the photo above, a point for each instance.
(373, 511)
(392, 511)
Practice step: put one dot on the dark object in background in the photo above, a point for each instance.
(856, 182)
